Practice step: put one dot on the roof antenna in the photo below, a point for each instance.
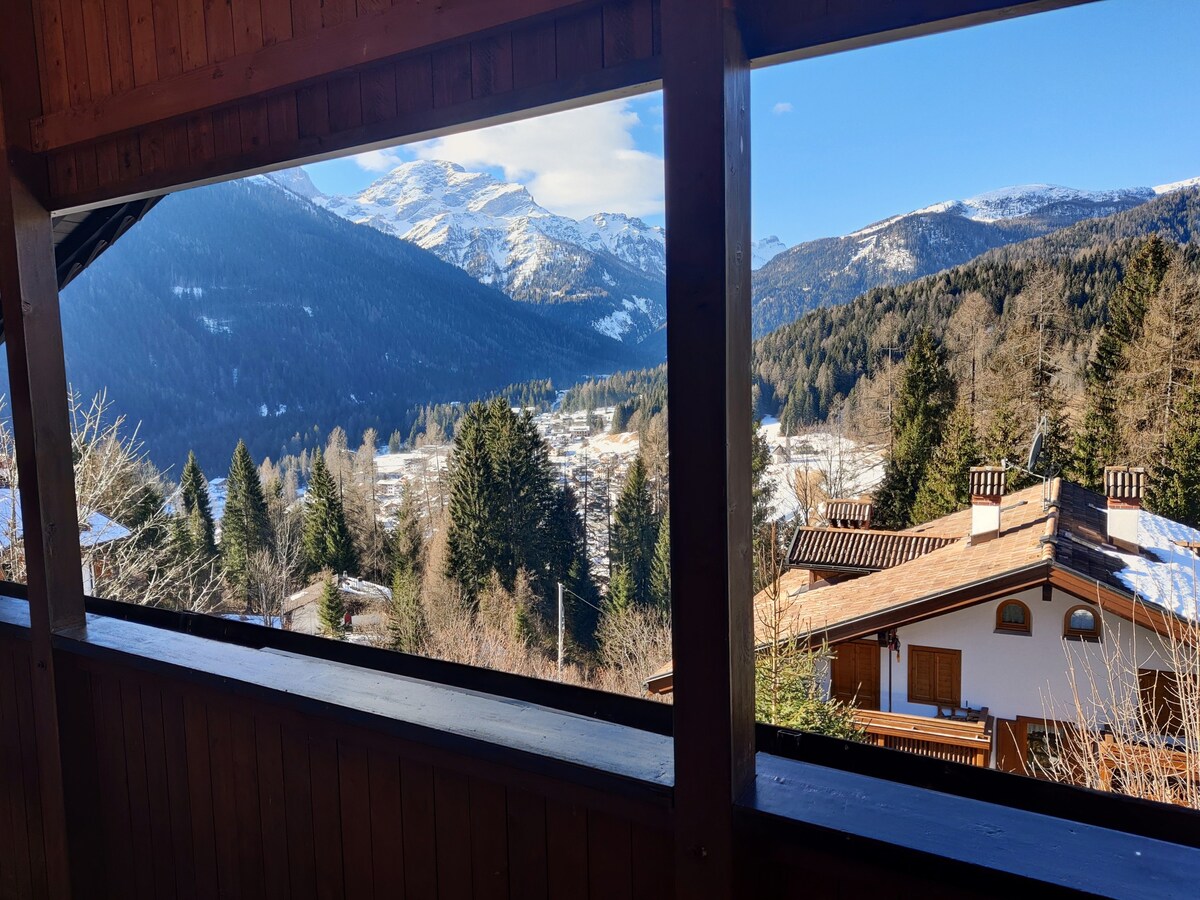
(1035, 453)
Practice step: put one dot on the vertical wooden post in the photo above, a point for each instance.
(41, 427)
(706, 105)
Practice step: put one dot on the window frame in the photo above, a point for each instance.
(1002, 627)
(1094, 634)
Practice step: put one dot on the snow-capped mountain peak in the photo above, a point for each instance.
(765, 250)
(607, 269)
(1021, 201)
(1177, 186)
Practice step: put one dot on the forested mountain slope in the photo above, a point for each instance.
(242, 310)
(900, 249)
(804, 368)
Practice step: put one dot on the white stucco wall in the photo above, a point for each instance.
(1014, 674)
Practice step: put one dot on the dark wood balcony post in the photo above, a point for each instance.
(41, 427)
(706, 83)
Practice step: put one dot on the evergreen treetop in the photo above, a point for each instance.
(635, 532)
(245, 525)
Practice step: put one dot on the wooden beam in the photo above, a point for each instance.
(38, 386)
(625, 80)
(706, 85)
(777, 31)
(411, 25)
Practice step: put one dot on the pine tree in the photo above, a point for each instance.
(944, 489)
(924, 399)
(327, 542)
(1174, 488)
(331, 610)
(394, 442)
(660, 566)
(1098, 443)
(197, 508)
(245, 526)
(406, 619)
(634, 532)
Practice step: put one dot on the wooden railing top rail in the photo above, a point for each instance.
(944, 731)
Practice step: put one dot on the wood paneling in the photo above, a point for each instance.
(204, 795)
(528, 65)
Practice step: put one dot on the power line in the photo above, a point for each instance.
(580, 599)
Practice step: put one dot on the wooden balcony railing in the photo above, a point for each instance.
(948, 739)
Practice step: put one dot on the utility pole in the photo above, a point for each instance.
(560, 630)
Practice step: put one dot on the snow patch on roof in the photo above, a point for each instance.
(1165, 573)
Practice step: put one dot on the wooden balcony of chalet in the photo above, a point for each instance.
(949, 739)
(146, 753)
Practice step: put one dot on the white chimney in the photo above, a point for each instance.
(987, 490)
(1124, 486)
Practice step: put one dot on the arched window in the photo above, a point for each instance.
(1012, 617)
(1081, 623)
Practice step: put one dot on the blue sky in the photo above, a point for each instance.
(1099, 96)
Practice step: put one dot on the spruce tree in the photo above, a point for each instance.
(197, 508)
(408, 539)
(331, 610)
(620, 597)
(925, 397)
(245, 525)
(1174, 488)
(634, 532)
(327, 542)
(471, 556)
(660, 566)
(506, 515)
(944, 488)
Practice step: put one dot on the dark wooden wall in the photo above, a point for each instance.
(23, 862)
(179, 790)
(89, 50)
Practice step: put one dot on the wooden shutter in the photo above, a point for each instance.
(854, 674)
(1159, 692)
(934, 676)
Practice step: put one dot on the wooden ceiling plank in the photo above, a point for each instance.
(247, 26)
(306, 57)
(79, 82)
(192, 36)
(345, 102)
(281, 116)
(452, 75)
(218, 31)
(98, 65)
(120, 56)
(52, 54)
(167, 38)
(491, 65)
(142, 42)
(579, 43)
(535, 58)
(379, 93)
(276, 21)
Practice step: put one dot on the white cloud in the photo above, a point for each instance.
(782, 108)
(378, 160)
(574, 163)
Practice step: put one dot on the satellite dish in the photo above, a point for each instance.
(1035, 449)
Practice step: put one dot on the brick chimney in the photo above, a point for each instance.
(987, 491)
(1124, 486)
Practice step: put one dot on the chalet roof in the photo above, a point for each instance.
(859, 550)
(95, 529)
